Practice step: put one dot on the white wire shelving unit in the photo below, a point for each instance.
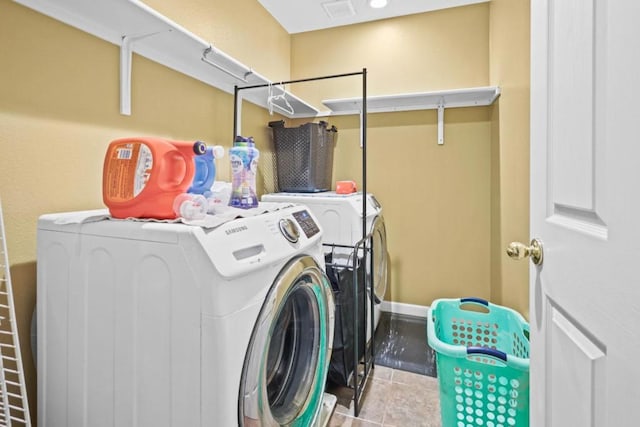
(14, 406)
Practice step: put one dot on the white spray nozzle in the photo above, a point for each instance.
(190, 206)
(218, 151)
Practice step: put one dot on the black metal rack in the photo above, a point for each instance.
(359, 379)
(362, 364)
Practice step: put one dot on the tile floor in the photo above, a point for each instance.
(393, 398)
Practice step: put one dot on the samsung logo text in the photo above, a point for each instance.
(236, 229)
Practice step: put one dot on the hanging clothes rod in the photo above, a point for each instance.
(311, 79)
(206, 60)
(363, 73)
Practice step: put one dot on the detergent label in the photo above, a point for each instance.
(254, 165)
(128, 169)
(144, 166)
(237, 164)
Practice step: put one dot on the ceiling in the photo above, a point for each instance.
(297, 16)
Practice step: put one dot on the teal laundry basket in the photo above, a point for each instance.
(482, 354)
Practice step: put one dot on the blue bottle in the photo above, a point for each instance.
(244, 167)
(205, 171)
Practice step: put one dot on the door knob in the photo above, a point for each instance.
(517, 250)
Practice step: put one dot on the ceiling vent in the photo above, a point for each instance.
(339, 9)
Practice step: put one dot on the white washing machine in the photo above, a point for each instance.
(340, 216)
(165, 324)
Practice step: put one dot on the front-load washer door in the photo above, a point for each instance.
(379, 254)
(288, 355)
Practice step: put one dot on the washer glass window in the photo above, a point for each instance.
(283, 375)
(379, 236)
(293, 354)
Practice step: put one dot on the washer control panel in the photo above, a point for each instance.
(307, 223)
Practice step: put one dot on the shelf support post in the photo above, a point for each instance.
(125, 76)
(125, 69)
(441, 123)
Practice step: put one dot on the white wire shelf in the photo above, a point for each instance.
(470, 97)
(435, 100)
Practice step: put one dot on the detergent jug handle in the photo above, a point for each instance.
(187, 151)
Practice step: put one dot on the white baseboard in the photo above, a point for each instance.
(407, 309)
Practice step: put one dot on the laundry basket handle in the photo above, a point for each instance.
(487, 352)
(474, 300)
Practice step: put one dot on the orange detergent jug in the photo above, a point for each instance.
(142, 176)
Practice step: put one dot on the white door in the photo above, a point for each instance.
(585, 208)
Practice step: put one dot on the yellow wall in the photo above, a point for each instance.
(431, 51)
(510, 154)
(59, 109)
(436, 199)
(240, 28)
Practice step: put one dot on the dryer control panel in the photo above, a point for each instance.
(307, 223)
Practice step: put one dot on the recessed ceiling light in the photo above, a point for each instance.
(377, 4)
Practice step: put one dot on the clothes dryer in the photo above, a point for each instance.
(340, 216)
(166, 324)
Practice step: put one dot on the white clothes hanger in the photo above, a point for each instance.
(271, 100)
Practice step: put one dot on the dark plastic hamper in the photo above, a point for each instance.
(304, 156)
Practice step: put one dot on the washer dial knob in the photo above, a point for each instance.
(289, 230)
